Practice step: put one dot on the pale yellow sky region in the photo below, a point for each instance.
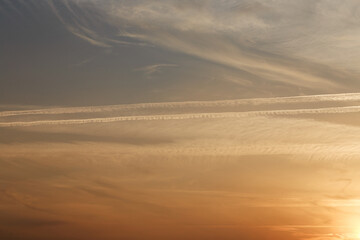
(177, 119)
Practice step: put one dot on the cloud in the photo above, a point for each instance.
(79, 27)
(150, 70)
(23, 200)
(181, 168)
(259, 40)
(8, 4)
(32, 222)
(88, 36)
(83, 62)
(266, 128)
(314, 99)
(85, 21)
(353, 109)
(276, 41)
(13, 136)
(253, 126)
(241, 108)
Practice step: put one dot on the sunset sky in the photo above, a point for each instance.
(179, 119)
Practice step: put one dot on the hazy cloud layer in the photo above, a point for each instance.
(179, 119)
(242, 108)
(274, 40)
(221, 50)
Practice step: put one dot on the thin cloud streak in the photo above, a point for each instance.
(156, 68)
(344, 97)
(352, 109)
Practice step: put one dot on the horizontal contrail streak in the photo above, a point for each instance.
(173, 105)
(352, 109)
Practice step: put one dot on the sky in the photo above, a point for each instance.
(179, 119)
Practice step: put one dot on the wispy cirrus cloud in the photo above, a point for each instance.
(155, 68)
(255, 37)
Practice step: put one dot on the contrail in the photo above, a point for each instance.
(352, 109)
(344, 97)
